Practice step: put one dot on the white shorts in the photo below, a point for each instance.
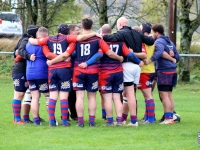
(131, 72)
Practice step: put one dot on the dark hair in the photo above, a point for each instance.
(158, 28)
(31, 30)
(72, 27)
(63, 29)
(146, 27)
(87, 23)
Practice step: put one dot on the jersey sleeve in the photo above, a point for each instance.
(144, 48)
(103, 45)
(18, 58)
(71, 38)
(43, 41)
(70, 49)
(125, 49)
(47, 53)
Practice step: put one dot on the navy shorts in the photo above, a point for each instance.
(60, 79)
(20, 82)
(82, 81)
(166, 78)
(165, 88)
(111, 83)
(40, 84)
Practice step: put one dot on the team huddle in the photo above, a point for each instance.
(114, 64)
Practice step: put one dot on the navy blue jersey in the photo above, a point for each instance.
(110, 64)
(57, 44)
(86, 49)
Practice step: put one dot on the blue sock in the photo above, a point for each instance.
(119, 119)
(51, 111)
(150, 110)
(110, 120)
(103, 113)
(92, 119)
(36, 120)
(26, 117)
(16, 106)
(133, 119)
(167, 115)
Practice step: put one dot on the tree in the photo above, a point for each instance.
(155, 12)
(110, 11)
(5, 6)
(45, 12)
(188, 26)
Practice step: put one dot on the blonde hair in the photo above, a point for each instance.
(42, 32)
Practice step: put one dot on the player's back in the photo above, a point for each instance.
(107, 63)
(84, 51)
(58, 45)
(37, 69)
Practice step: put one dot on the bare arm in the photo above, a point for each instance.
(113, 55)
(83, 37)
(141, 55)
(33, 41)
(59, 58)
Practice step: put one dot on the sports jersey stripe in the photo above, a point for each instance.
(92, 69)
(62, 64)
(93, 39)
(57, 39)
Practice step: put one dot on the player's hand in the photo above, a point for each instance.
(121, 59)
(16, 52)
(141, 63)
(174, 60)
(131, 49)
(98, 35)
(171, 53)
(68, 59)
(147, 61)
(83, 65)
(49, 63)
(32, 57)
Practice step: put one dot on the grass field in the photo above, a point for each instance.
(179, 136)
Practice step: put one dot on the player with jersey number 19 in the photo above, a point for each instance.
(59, 73)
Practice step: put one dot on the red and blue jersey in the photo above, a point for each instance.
(57, 45)
(113, 65)
(85, 50)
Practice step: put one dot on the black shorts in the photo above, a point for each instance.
(128, 83)
(165, 88)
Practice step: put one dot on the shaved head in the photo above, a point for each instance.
(122, 22)
(106, 29)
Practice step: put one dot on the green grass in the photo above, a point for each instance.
(146, 137)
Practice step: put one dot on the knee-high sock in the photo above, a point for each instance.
(16, 106)
(64, 110)
(51, 111)
(150, 107)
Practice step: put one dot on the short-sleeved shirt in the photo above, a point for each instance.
(85, 50)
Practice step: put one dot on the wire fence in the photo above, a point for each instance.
(182, 55)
